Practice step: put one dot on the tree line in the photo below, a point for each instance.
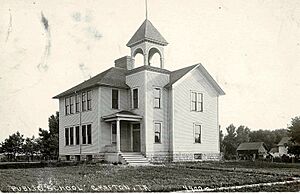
(237, 135)
(45, 146)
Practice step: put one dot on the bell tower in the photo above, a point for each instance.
(147, 41)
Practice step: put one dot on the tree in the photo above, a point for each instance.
(242, 134)
(221, 135)
(13, 145)
(294, 129)
(48, 140)
(30, 147)
(229, 142)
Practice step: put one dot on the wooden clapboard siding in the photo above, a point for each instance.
(105, 94)
(184, 118)
(155, 79)
(87, 117)
(137, 80)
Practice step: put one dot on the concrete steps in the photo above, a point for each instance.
(134, 158)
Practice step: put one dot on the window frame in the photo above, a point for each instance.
(83, 135)
(115, 100)
(89, 134)
(199, 134)
(71, 102)
(135, 99)
(67, 136)
(67, 105)
(89, 100)
(77, 103)
(159, 98)
(160, 131)
(83, 102)
(112, 134)
(77, 135)
(71, 132)
(197, 103)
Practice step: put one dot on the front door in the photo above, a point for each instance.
(136, 138)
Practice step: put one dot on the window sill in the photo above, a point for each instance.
(157, 143)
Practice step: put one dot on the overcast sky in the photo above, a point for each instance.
(251, 48)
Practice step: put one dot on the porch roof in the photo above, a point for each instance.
(123, 115)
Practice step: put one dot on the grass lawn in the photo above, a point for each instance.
(173, 177)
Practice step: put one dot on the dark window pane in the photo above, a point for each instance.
(67, 136)
(89, 100)
(89, 134)
(113, 133)
(77, 135)
(115, 99)
(135, 98)
(84, 134)
(71, 135)
(77, 105)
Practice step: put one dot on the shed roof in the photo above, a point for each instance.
(250, 146)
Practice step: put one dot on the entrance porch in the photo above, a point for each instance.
(125, 131)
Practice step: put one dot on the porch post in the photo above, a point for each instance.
(118, 136)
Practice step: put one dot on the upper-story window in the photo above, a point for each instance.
(89, 100)
(77, 103)
(196, 101)
(157, 98)
(71, 104)
(83, 103)
(135, 98)
(197, 133)
(67, 106)
(115, 99)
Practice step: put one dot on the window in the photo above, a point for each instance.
(83, 134)
(135, 98)
(197, 133)
(83, 101)
(67, 105)
(89, 100)
(196, 101)
(71, 104)
(115, 99)
(71, 135)
(157, 132)
(67, 136)
(77, 135)
(89, 134)
(113, 133)
(77, 103)
(157, 98)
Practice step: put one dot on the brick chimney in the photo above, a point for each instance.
(125, 62)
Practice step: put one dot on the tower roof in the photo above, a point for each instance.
(147, 32)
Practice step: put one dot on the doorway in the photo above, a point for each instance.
(136, 138)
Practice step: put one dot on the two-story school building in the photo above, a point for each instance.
(147, 112)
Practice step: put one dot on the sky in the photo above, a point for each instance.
(251, 48)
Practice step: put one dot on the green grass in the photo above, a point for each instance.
(171, 177)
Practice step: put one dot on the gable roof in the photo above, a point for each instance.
(283, 141)
(250, 146)
(114, 77)
(178, 74)
(147, 32)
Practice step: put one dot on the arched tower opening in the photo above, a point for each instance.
(154, 58)
(138, 56)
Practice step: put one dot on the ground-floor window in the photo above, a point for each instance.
(113, 133)
(67, 136)
(157, 132)
(197, 133)
(87, 134)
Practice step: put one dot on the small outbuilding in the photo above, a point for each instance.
(252, 151)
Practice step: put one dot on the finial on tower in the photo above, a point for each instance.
(146, 9)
